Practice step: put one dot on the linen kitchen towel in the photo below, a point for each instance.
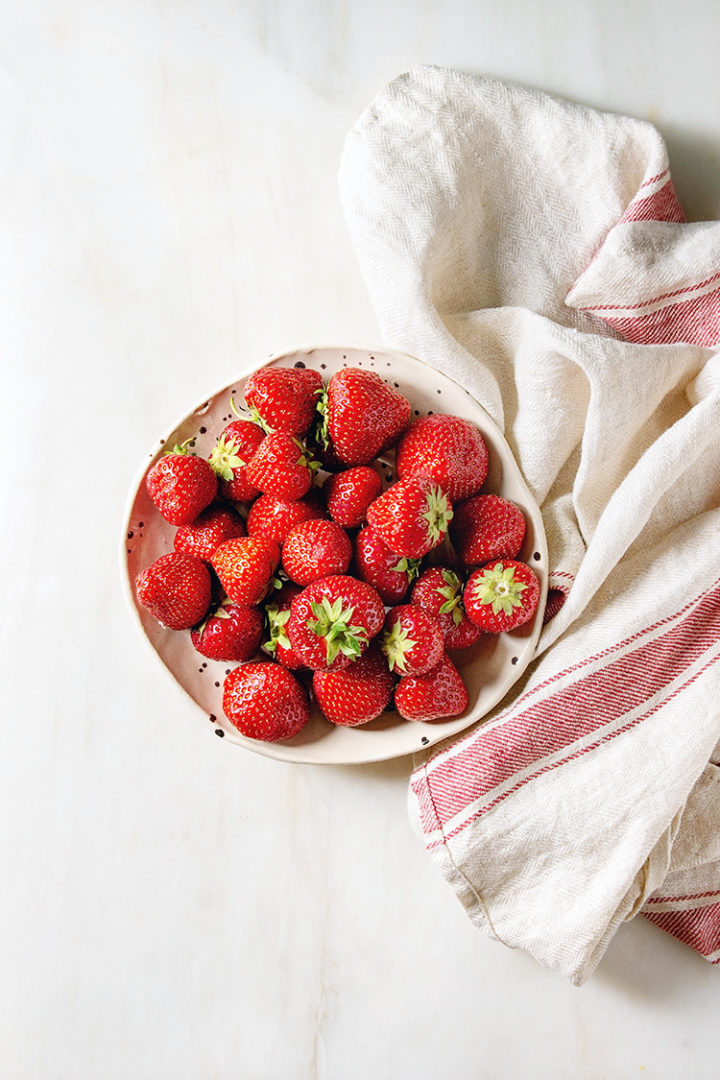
(536, 252)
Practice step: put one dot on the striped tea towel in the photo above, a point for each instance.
(536, 252)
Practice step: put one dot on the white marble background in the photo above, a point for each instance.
(171, 906)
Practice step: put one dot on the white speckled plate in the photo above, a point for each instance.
(489, 669)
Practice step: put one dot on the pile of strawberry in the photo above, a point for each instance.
(352, 591)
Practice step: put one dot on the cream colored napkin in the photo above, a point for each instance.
(535, 251)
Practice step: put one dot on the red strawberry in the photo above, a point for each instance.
(246, 566)
(181, 485)
(501, 596)
(265, 701)
(284, 399)
(231, 632)
(281, 467)
(412, 516)
(229, 459)
(348, 494)
(387, 572)
(439, 591)
(486, 527)
(315, 549)
(333, 620)
(274, 518)
(211, 528)
(438, 693)
(412, 640)
(277, 611)
(175, 589)
(364, 415)
(447, 448)
(358, 693)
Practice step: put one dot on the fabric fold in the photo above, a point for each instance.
(504, 236)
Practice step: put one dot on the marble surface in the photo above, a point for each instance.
(173, 906)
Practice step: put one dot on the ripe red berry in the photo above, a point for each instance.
(316, 549)
(356, 694)
(284, 399)
(365, 416)
(235, 448)
(449, 449)
(348, 494)
(274, 518)
(333, 620)
(487, 527)
(439, 693)
(265, 701)
(412, 641)
(175, 589)
(181, 485)
(502, 596)
(412, 516)
(230, 632)
(387, 572)
(246, 566)
(212, 527)
(281, 467)
(439, 591)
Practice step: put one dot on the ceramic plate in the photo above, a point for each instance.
(489, 669)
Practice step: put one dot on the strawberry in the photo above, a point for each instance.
(449, 449)
(438, 693)
(438, 591)
(486, 527)
(181, 485)
(230, 632)
(501, 596)
(175, 589)
(246, 566)
(388, 573)
(284, 399)
(277, 611)
(274, 518)
(315, 549)
(356, 694)
(265, 701)
(412, 516)
(281, 467)
(211, 528)
(364, 415)
(229, 459)
(412, 641)
(333, 620)
(348, 494)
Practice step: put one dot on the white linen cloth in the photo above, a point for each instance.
(535, 251)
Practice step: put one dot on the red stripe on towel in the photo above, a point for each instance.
(662, 205)
(695, 321)
(493, 756)
(697, 927)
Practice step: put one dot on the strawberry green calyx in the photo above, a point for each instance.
(276, 626)
(437, 513)
(411, 567)
(497, 586)
(252, 415)
(224, 458)
(322, 431)
(395, 643)
(452, 592)
(183, 447)
(333, 624)
(306, 459)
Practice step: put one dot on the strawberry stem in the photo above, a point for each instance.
(332, 622)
